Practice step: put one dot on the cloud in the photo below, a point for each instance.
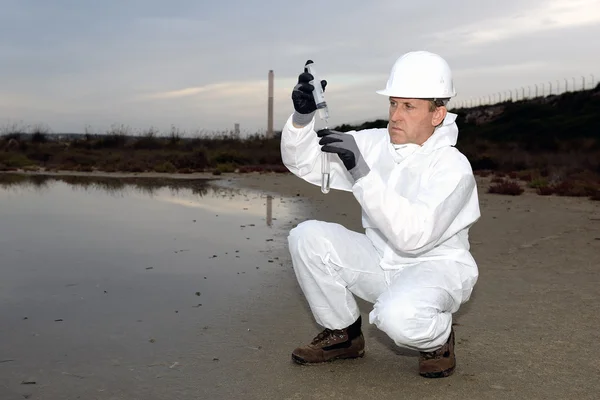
(245, 100)
(245, 88)
(520, 68)
(215, 90)
(201, 66)
(230, 205)
(557, 14)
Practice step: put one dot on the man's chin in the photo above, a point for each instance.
(395, 138)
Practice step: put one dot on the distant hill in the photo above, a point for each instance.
(539, 124)
(551, 133)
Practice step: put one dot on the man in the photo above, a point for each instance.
(418, 197)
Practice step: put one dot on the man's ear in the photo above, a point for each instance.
(439, 114)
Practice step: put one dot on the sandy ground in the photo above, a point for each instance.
(530, 331)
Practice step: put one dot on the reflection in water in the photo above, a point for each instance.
(151, 187)
(111, 185)
(269, 210)
(184, 192)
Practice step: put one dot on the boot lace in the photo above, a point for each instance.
(327, 335)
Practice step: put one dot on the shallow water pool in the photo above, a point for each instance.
(105, 275)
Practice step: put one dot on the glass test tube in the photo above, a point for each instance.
(324, 114)
(325, 171)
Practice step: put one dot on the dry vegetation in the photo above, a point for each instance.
(548, 145)
(150, 152)
(574, 184)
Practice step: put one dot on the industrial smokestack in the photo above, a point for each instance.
(270, 110)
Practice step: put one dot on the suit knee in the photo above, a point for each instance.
(307, 241)
(407, 324)
(306, 234)
(307, 229)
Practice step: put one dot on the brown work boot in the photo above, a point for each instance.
(439, 363)
(331, 344)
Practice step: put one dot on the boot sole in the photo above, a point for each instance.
(301, 361)
(442, 374)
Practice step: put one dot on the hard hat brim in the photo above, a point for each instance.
(391, 93)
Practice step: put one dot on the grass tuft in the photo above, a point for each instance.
(506, 187)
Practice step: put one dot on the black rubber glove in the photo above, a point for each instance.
(346, 148)
(302, 96)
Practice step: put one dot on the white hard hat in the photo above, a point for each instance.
(420, 75)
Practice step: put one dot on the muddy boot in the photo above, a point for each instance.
(331, 344)
(439, 363)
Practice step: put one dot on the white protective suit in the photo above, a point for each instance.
(413, 262)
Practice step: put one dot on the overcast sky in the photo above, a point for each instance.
(203, 65)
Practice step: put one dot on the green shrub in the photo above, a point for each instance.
(132, 166)
(84, 168)
(148, 141)
(15, 160)
(538, 183)
(231, 157)
(165, 167)
(113, 140)
(196, 160)
(227, 167)
(75, 158)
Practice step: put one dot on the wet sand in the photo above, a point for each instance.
(529, 331)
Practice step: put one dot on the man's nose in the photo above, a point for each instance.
(395, 114)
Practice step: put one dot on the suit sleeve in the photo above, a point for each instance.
(416, 226)
(301, 154)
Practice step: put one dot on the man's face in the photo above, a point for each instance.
(412, 121)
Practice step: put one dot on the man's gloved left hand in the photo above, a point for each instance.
(345, 146)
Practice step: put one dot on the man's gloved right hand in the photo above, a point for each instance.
(302, 96)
